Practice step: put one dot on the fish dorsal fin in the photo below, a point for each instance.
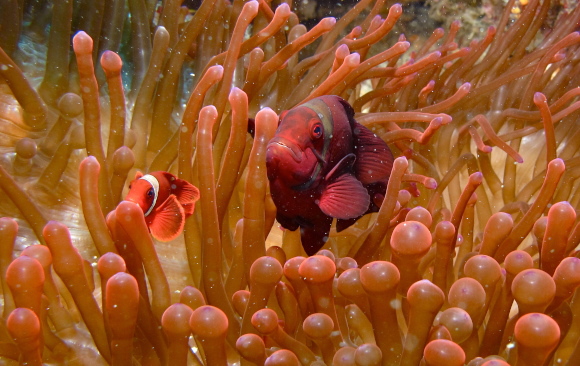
(168, 220)
(186, 193)
(345, 198)
(342, 166)
(374, 159)
(138, 175)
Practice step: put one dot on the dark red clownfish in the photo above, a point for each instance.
(166, 202)
(323, 164)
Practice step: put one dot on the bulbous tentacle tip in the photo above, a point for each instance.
(458, 323)
(537, 331)
(317, 269)
(411, 238)
(24, 327)
(368, 354)
(70, 105)
(349, 284)
(175, 320)
(266, 270)
(265, 321)
(484, 269)
(442, 352)
(379, 276)
(209, 322)
(39, 252)
(318, 326)
(533, 287)
(110, 264)
(557, 165)
(24, 273)
(26, 148)
(282, 357)
(82, 43)
(425, 296)
(90, 162)
(111, 63)
(123, 160)
(397, 9)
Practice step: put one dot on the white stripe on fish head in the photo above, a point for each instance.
(324, 113)
(155, 184)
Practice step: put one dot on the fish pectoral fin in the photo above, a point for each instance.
(374, 160)
(342, 166)
(345, 198)
(168, 220)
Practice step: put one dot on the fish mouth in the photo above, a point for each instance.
(295, 152)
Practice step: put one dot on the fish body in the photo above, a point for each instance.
(323, 164)
(166, 202)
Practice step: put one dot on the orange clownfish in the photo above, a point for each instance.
(323, 164)
(166, 202)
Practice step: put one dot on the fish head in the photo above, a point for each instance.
(294, 155)
(144, 192)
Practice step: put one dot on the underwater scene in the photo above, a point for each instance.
(289, 183)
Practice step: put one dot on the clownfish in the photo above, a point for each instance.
(166, 202)
(323, 164)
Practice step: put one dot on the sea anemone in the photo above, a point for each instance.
(472, 258)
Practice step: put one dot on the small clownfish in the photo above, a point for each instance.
(323, 164)
(166, 202)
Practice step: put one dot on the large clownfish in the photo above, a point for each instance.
(323, 164)
(166, 202)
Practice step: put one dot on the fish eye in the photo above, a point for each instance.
(150, 193)
(316, 131)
